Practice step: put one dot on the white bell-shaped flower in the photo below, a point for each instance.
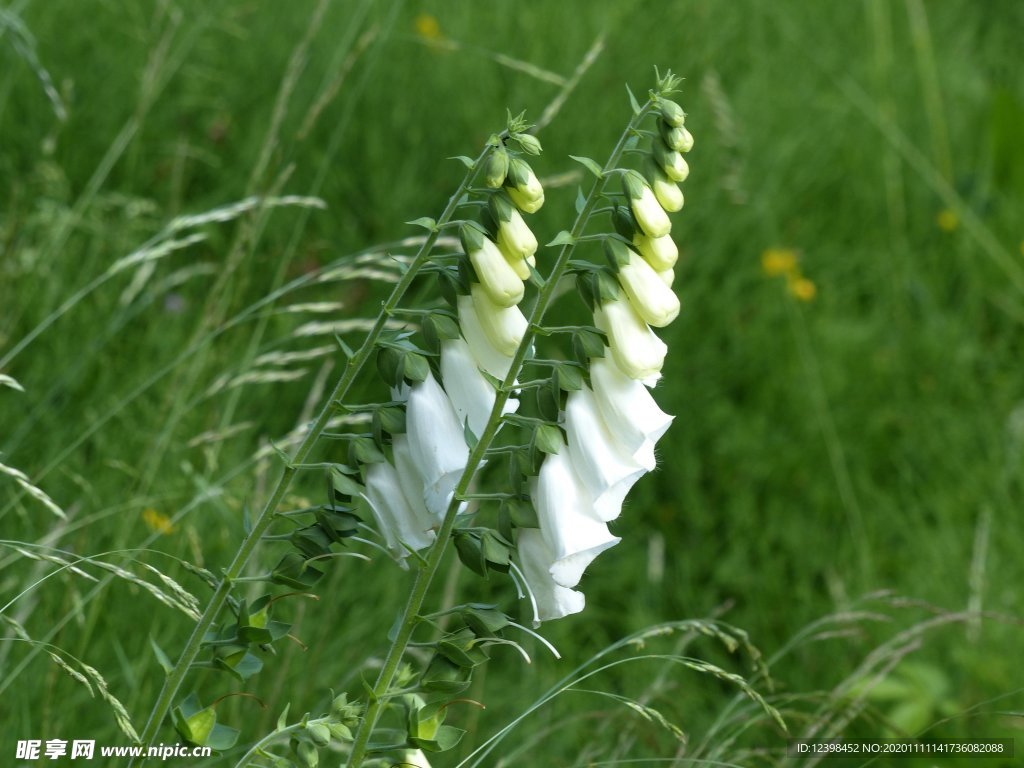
(471, 394)
(399, 522)
(628, 410)
(565, 510)
(497, 277)
(660, 252)
(667, 192)
(436, 443)
(515, 239)
(654, 301)
(487, 357)
(606, 465)
(550, 599)
(504, 327)
(635, 349)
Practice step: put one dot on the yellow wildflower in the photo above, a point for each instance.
(157, 521)
(947, 220)
(801, 288)
(778, 261)
(427, 27)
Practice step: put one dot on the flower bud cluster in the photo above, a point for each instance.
(612, 425)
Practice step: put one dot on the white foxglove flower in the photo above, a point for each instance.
(399, 522)
(414, 758)
(515, 239)
(628, 410)
(504, 287)
(635, 349)
(503, 326)
(666, 191)
(660, 252)
(409, 476)
(551, 600)
(523, 186)
(524, 203)
(601, 460)
(471, 394)
(651, 298)
(487, 357)
(676, 167)
(565, 510)
(436, 443)
(646, 209)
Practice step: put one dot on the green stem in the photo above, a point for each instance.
(267, 515)
(411, 615)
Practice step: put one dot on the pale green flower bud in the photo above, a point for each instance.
(677, 138)
(504, 326)
(635, 349)
(668, 194)
(651, 298)
(660, 252)
(530, 144)
(648, 212)
(496, 168)
(671, 162)
(515, 239)
(671, 112)
(497, 276)
(523, 186)
(667, 276)
(520, 266)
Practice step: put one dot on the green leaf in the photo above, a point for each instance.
(446, 738)
(484, 620)
(416, 367)
(522, 513)
(589, 164)
(562, 238)
(293, 571)
(424, 221)
(581, 201)
(345, 348)
(241, 664)
(548, 438)
(222, 738)
(468, 435)
(161, 658)
(633, 102)
(466, 161)
(442, 676)
(282, 719)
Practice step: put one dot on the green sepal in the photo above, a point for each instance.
(589, 164)
(391, 366)
(522, 513)
(426, 222)
(633, 102)
(617, 253)
(470, 552)
(161, 658)
(633, 184)
(447, 737)
(461, 648)
(471, 235)
(293, 571)
(570, 377)
(343, 483)
(312, 541)
(500, 207)
(549, 399)
(548, 438)
(337, 522)
(198, 725)
(591, 343)
(442, 676)
(240, 664)
(624, 223)
(607, 286)
(416, 367)
(529, 143)
(485, 620)
(392, 419)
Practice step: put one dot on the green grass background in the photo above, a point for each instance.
(867, 440)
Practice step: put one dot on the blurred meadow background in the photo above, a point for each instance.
(195, 196)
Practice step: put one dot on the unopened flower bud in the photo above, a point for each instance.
(668, 194)
(670, 161)
(635, 349)
(651, 298)
(515, 239)
(671, 112)
(660, 252)
(648, 211)
(529, 143)
(523, 186)
(504, 327)
(319, 733)
(676, 137)
(496, 168)
(667, 276)
(501, 282)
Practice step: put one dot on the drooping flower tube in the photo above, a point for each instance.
(565, 511)
(470, 393)
(645, 206)
(436, 443)
(628, 410)
(670, 160)
(666, 191)
(651, 298)
(635, 349)
(487, 357)
(515, 240)
(605, 465)
(660, 252)
(503, 286)
(503, 326)
(399, 522)
(551, 600)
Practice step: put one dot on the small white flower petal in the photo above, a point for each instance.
(635, 348)
(628, 410)
(503, 326)
(436, 443)
(397, 520)
(660, 252)
(497, 277)
(551, 600)
(471, 394)
(651, 298)
(606, 466)
(565, 510)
